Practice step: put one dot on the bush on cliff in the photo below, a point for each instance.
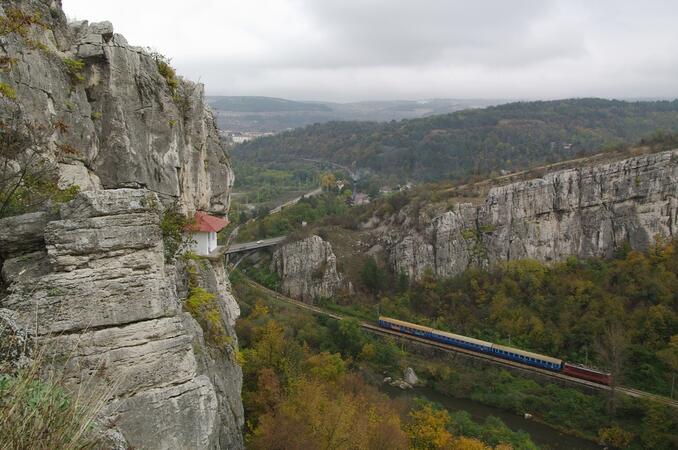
(29, 177)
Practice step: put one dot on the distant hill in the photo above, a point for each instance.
(269, 114)
(452, 146)
(263, 104)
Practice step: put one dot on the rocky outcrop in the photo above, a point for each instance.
(107, 306)
(89, 281)
(583, 212)
(307, 269)
(113, 119)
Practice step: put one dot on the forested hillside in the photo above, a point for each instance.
(481, 141)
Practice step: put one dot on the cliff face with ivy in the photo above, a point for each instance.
(586, 212)
(90, 279)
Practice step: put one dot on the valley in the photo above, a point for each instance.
(451, 271)
(513, 301)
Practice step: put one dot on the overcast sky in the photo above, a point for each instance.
(346, 50)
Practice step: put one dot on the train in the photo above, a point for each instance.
(496, 350)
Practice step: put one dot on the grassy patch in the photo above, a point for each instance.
(37, 411)
(7, 91)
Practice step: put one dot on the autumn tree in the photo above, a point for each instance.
(315, 417)
(328, 181)
(427, 429)
(615, 436)
(325, 366)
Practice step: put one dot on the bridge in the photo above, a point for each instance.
(254, 245)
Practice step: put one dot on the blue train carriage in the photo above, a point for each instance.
(529, 358)
(466, 342)
(435, 335)
(405, 327)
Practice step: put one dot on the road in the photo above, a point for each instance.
(247, 246)
(448, 348)
(294, 201)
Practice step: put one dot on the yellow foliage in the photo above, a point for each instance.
(427, 430)
(260, 310)
(7, 91)
(328, 181)
(615, 436)
(240, 358)
(204, 308)
(368, 352)
(326, 366)
(315, 417)
(466, 443)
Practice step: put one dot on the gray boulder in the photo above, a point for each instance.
(410, 377)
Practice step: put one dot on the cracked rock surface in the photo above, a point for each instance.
(107, 305)
(585, 212)
(307, 269)
(90, 280)
(122, 123)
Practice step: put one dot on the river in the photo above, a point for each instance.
(542, 435)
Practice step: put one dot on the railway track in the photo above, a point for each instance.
(479, 356)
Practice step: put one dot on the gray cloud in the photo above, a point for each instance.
(380, 49)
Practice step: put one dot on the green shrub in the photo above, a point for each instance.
(74, 69)
(204, 308)
(264, 276)
(173, 225)
(166, 71)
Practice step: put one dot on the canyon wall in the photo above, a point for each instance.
(585, 212)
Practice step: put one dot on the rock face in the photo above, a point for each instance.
(583, 212)
(108, 307)
(16, 346)
(90, 281)
(307, 269)
(117, 122)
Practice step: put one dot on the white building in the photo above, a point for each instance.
(204, 231)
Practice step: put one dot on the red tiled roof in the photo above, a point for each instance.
(205, 222)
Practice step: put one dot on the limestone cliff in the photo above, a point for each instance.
(94, 285)
(89, 279)
(307, 269)
(585, 212)
(121, 122)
